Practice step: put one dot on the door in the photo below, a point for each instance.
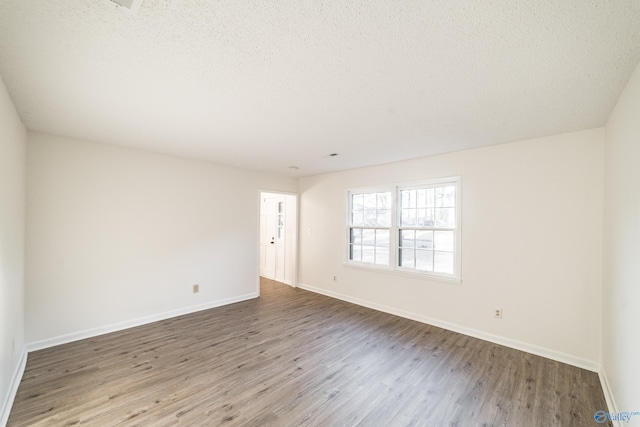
(268, 230)
(278, 236)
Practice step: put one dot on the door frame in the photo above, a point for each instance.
(293, 250)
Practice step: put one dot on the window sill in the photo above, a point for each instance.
(395, 272)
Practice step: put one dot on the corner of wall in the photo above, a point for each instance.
(13, 389)
(620, 371)
(12, 239)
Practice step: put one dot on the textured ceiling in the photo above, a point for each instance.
(269, 84)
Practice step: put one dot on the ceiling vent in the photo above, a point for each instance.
(133, 5)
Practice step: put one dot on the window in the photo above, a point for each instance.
(280, 222)
(370, 220)
(409, 228)
(427, 228)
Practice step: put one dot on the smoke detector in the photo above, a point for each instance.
(132, 5)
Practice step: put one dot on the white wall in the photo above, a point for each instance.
(621, 279)
(531, 244)
(13, 137)
(118, 236)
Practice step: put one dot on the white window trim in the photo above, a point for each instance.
(392, 238)
(393, 267)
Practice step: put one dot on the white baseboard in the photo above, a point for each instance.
(114, 327)
(13, 389)
(608, 396)
(518, 345)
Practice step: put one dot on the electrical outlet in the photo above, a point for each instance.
(335, 278)
(498, 313)
(196, 289)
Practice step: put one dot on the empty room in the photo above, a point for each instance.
(319, 213)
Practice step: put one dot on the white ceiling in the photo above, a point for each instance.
(267, 84)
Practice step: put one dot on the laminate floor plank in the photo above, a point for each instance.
(295, 358)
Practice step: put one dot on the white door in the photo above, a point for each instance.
(268, 230)
(280, 238)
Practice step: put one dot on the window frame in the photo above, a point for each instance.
(349, 210)
(396, 227)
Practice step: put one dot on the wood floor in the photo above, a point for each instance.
(293, 358)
